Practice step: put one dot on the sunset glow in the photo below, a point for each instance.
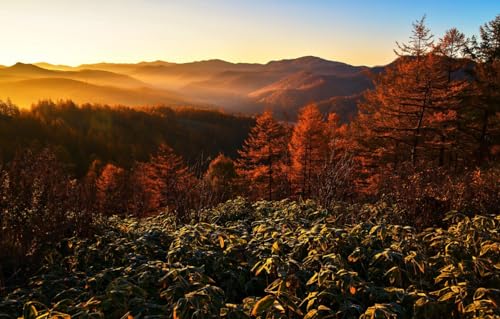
(359, 33)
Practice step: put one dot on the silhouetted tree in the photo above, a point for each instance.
(8, 109)
(481, 117)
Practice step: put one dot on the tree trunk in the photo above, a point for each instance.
(483, 143)
(419, 126)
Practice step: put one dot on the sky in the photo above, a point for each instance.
(74, 32)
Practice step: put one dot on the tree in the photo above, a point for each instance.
(451, 46)
(338, 137)
(393, 115)
(308, 149)
(419, 45)
(39, 205)
(336, 179)
(481, 117)
(8, 109)
(414, 101)
(450, 49)
(144, 198)
(262, 163)
(168, 180)
(411, 115)
(221, 175)
(110, 186)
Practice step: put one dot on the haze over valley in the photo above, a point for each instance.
(283, 86)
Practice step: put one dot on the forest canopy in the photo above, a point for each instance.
(81, 134)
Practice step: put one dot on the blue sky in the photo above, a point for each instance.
(356, 32)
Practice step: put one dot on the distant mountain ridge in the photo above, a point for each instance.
(282, 86)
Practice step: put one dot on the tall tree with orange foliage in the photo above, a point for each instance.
(308, 149)
(412, 115)
(339, 141)
(168, 180)
(144, 195)
(408, 116)
(450, 49)
(336, 179)
(262, 164)
(110, 186)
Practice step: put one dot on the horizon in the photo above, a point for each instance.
(187, 62)
(361, 33)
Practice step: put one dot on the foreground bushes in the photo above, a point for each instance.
(270, 260)
(427, 194)
(39, 205)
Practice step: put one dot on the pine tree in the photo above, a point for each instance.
(411, 115)
(308, 149)
(481, 117)
(336, 179)
(168, 180)
(8, 109)
(392, 117)
(262, 160)
(110, 186)
(145, 196)
(449, 139)
(338, 137)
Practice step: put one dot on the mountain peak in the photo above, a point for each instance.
(26, 67)
(311, 58)
(21, 65)
(305, 61)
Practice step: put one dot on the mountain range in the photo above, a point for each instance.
(282, 86)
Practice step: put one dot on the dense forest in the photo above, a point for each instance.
(81, 134)
(350, 219)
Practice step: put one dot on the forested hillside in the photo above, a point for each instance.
(158, 212)
(282, 86)
(81, 134)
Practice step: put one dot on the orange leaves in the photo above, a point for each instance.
(262, 158)
(413, 114)
(444, 116)
(161, 182)
(308, 148)
(352, 290)
(110, 189)
(275, 161)
(167, 178)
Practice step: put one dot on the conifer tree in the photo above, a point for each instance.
(308, 149)
(449, 51)
(110, 186)
(337, 134)
(481, 117)
(168, 179)
(411, 115)
(262, 163)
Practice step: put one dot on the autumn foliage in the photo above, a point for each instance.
(309, 150)
(426, 140)
(263, 158)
